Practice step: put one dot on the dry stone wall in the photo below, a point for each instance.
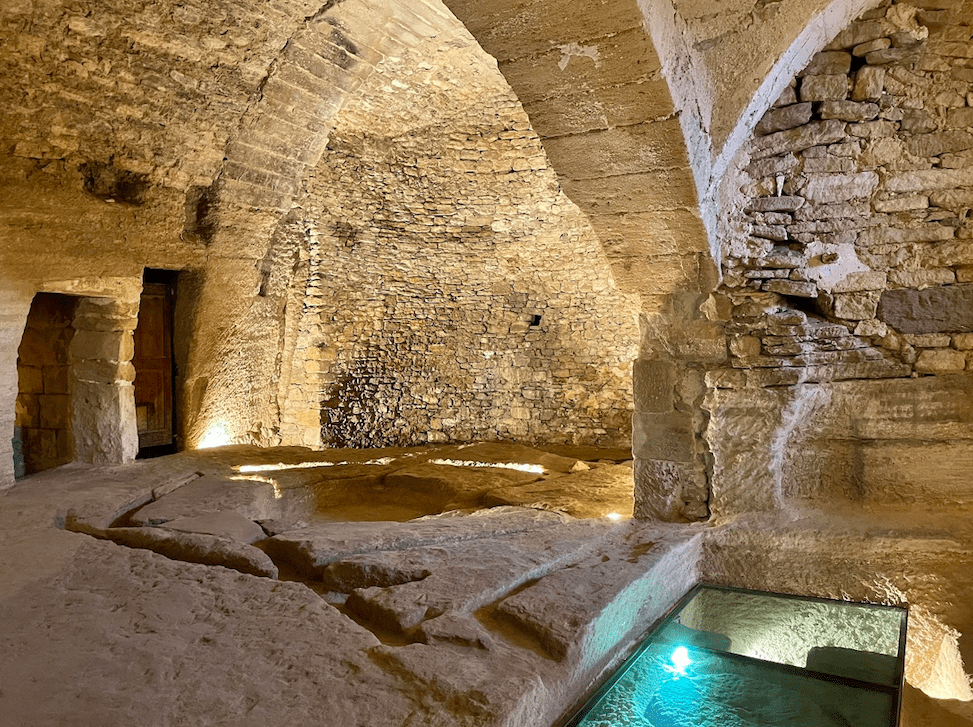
(455, 293)
(856, 260)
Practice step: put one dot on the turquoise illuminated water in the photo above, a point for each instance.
(732, 658)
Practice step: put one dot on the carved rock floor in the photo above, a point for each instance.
(392, 588)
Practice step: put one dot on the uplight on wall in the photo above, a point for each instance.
(216, 436)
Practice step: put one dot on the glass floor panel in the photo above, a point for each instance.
(733, 658)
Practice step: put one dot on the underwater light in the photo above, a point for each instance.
(613, 516)
(680, 658)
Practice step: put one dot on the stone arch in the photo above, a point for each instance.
(596, 94)
(233, 374)
(616, 146)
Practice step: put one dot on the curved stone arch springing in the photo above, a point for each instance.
(627, 169)
(281, 136)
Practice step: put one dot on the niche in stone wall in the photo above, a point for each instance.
(42, 433)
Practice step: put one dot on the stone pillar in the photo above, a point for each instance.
(102, 392)
(14, 307)
(670, 480)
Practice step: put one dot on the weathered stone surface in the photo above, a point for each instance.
(828, 63)
(444, 484)
(933, 310)
(666, 436)
(885, 236)
(917, 121)
(872, 129)
(951, 198)
(672, 491)
(230, 525)
(860, 32)
(869, 84)
(770, 232)
(931, 179)
(869, 280)
(962, 117)
(794, 288)
(250, 498)
(772, 165)
(464, 581)
(864, 49)
(193, 547)
(891, 55)
(848, 110)
(935, 144)
(508, 452)
(780, 119)
(902, 203)
(812, 134)
(828, 189)
(856, 306)
(594, 493)
(774, 204)
(654, 383)
(311, 549)
(830, 87)
(598, 597)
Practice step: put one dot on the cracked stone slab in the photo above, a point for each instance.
(196, 548)
(118, 493)
(582, 614)
(208, 494)
(502, 687)
(467, 576)
(124, 637)
(313, 548)
(228, 524)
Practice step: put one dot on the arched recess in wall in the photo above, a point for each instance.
(624, 163)
(595, 94)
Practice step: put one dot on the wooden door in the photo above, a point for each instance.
(153, 366)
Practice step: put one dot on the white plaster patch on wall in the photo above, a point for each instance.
(576, 50)
(829, 276)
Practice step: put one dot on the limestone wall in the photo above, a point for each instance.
(455, 293)
(853, 261)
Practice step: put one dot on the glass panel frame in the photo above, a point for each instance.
(836, 667)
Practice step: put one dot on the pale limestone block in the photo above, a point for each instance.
(922, 278)
(871, 328)
(830, 188)
(780, 119)
(940, 361)
(848, 110)
(746, 346)
(830, 87)
(903, 203)
(928, 340)
(872, 129)
(863, 49)
(861, 281)
(856, 306)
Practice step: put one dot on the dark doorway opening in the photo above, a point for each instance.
(42, 426)
(154, 369)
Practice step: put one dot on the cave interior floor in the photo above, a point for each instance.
(423, 586)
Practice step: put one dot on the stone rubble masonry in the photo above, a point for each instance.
(856, 232)
(453, 292)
